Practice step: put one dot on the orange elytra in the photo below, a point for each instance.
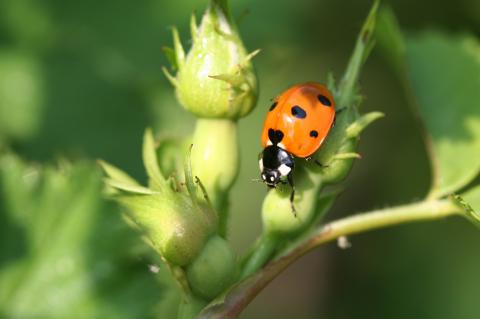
(296, 125)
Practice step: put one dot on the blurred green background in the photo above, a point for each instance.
(80, 80)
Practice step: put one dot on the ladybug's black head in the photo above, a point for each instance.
(275, 163)
(271, 177)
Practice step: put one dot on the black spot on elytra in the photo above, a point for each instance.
(273, 106)
(324, 100)
(314, 134)
(275, 136)
(298, 112)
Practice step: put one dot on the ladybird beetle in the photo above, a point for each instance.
(296, 125)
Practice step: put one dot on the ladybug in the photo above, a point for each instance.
(296, 125)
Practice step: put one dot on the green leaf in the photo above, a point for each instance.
(362, 122)
(118, 180)
(65, 252)
(445, 75)
(441, 72)
(21, 95)
(117, 174)
(129, 187)
(472, 197)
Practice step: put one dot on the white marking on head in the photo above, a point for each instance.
(264, 176)
(269, 143)
(281, 145)
(272, 178)
(284, 170)
(260, 163)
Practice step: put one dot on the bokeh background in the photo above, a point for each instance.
(80, 80)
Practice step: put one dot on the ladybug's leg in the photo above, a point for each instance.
(292, 194)
(316, 161)
(320, 164)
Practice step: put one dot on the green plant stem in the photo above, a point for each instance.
(240, 295)
(179, 275)
(189, 307)
(263, 252)
(215, 161)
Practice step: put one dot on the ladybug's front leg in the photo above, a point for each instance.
(292, 194)
(308, 159)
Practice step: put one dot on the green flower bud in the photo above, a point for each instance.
(277, 215)
(174, 226)
(216, 79)
(213, 270)
(175, 223)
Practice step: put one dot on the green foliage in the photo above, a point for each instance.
(35, 35)
(64, 250)
(78, 84)
(445, 76)
(441, 72)
(20, 113)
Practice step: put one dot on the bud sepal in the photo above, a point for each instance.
(175, 223)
